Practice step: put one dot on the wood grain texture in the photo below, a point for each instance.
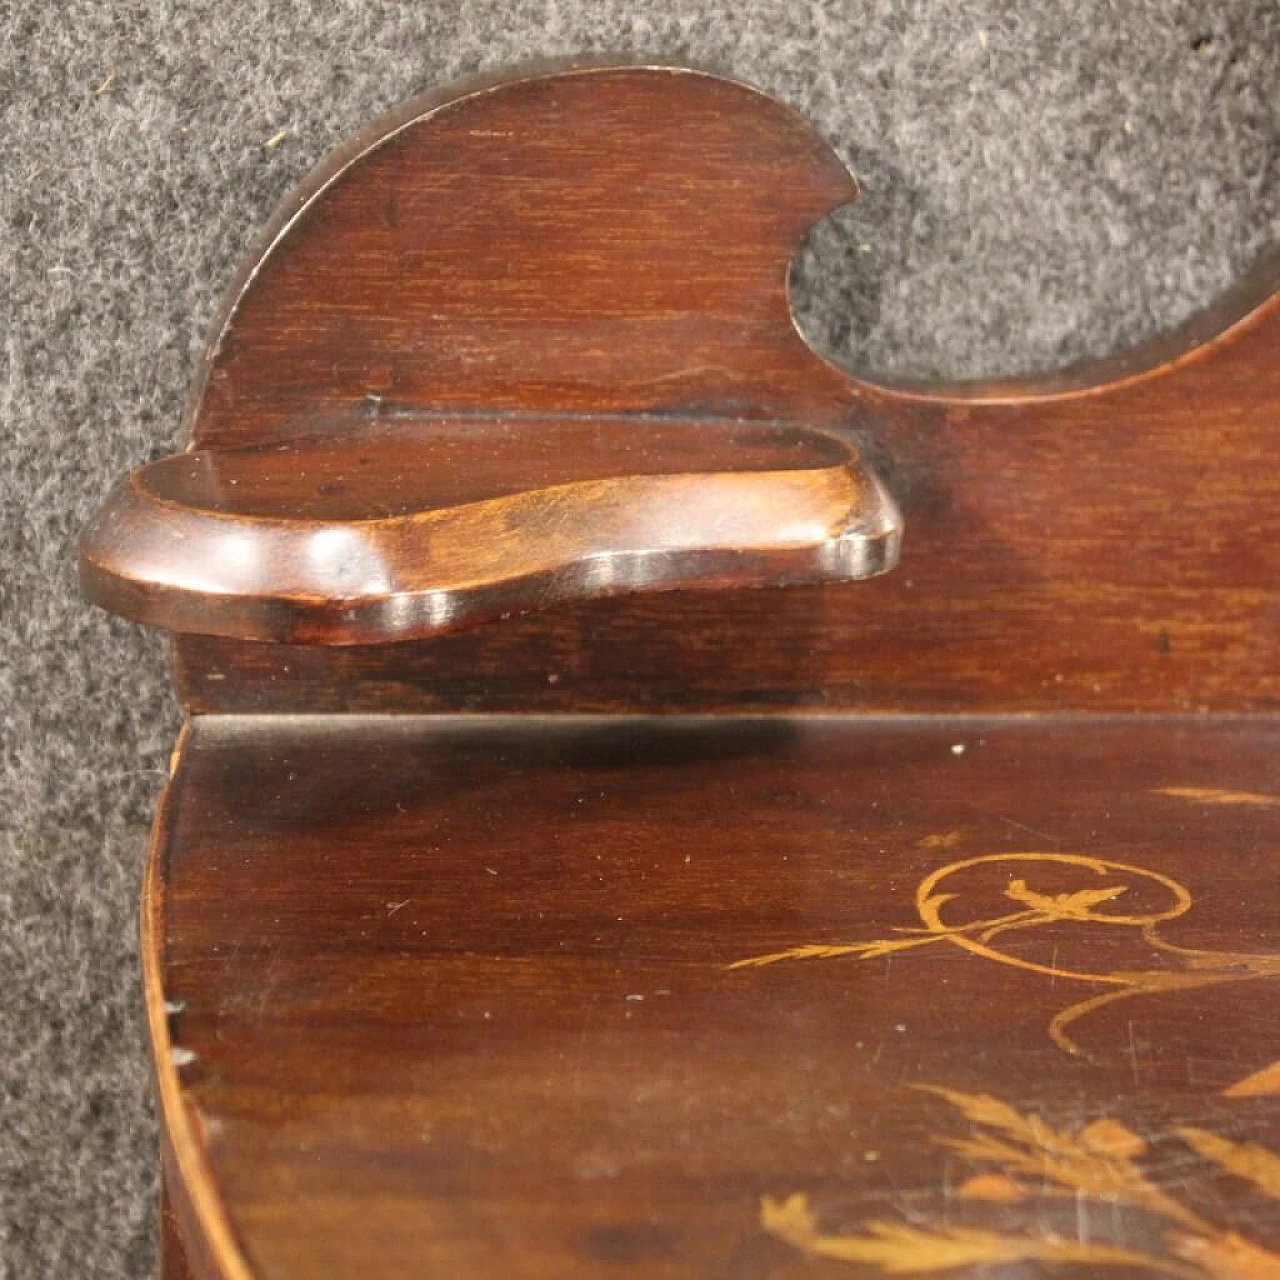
(699, 995)
(617, 240)
(418, 526)
(173, 1250)
(458, 997)
(601, 240)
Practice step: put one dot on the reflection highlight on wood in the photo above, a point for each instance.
(435, 992)
(415, 527)
(1214, 795)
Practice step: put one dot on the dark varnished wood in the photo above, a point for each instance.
(698, 995)
(173, 1250)
(1133, 533)
(1124, 514)
(417, 526)
(498, 247)
(456, 996)
(599, 240)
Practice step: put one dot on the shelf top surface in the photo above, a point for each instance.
(729, 998)
(412, 463)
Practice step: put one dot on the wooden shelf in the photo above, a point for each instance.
(416, 526)
(952, 962)
(466, 996)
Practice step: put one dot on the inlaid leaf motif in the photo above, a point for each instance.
(1162, 900)
(997, 1188)
(1227, 1256)
(1216, 795)
(1063, 906)
(1247, 1160)
(1099, 1162)
(1018, 1158)
(1256, 1085)
(913, 1251)
(1110, 1137)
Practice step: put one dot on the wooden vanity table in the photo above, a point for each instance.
(587, 854)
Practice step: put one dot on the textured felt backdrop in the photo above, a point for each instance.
(1042, 181)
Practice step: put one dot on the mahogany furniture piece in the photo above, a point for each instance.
(582, 858)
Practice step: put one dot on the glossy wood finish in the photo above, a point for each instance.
(616, 240)
(598, 240)
(458, 997)
(419, 526)
(1132, 530)
(173, 1251)
(699, 995)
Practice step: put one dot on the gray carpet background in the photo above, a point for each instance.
(1041, 182)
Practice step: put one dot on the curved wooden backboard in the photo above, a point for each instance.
(597, 239)
(606, 240)
(490, 997)
(617, 239)
(526, 343)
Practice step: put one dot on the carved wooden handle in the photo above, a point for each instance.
(408, 528)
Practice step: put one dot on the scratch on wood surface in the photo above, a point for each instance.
(1022, 826)
(1019, 1158)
